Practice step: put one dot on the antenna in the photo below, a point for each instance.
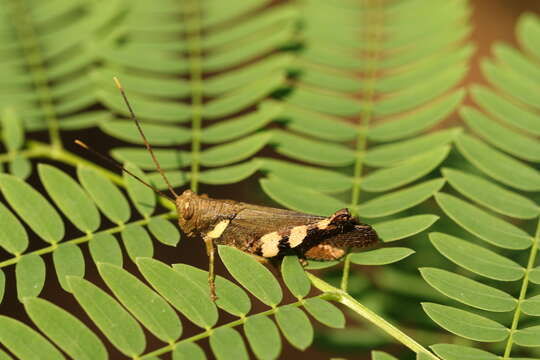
(146, 143)
(111, 161)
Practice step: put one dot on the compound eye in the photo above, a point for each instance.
(187, 211)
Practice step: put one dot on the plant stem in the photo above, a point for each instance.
(347, 300)
(208, 332)
(193, 28)
(366, 116)
(83, 239)
(523, 292)
(346, 270)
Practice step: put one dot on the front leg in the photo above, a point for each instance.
(210, 251)
(209, 238)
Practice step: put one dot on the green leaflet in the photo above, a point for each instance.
(68, 332)
(466, 324)
(392, 154)
(531, 306)
(104, 248)
(512, 82)
(468, 291)
(527, 30)
(237, 78)
(317, 124)
(27, 202)
(310, 177)
(156, 134)
(30, 276)
(263, 337)
(487, 227)
(476, 258)
(226, 343)
(312, 151)
(528, 336)
(412, 124)
(498, 165)
(109, 316)
(229, 174)
(401, 228)
(143, 84)
(25, 342)
(147, 108)
(241, 125)
(231, 297)
(189, 299)
(499, 136)
(251, 274)
(68, 261)
(188, 351)
(379, 355)
(325, 312)
(148, 307)
(295, 326)
(68, 195)
(164, 231)
(506, 111)
(137, 242)
(20, 167)
(294, 276)
(13, 236)
(235, 151)
(243, 97)
(12, 129)
(460, 352)
(400, 200)
(169, 159)
(421, 93)
(105, 194)
(380, 256)
(325, 102)
(300, 198)
(491, 195)
(534, 275)
(408, 171)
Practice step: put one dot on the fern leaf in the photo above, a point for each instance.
(504, 155)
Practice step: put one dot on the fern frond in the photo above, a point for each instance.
(503, 181)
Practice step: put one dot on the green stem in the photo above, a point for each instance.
(193, 28)
(366, 116)
(347, 300)
(83, 239)
(209, 332)
(523, 292)
(35, 62)
(346, 270)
